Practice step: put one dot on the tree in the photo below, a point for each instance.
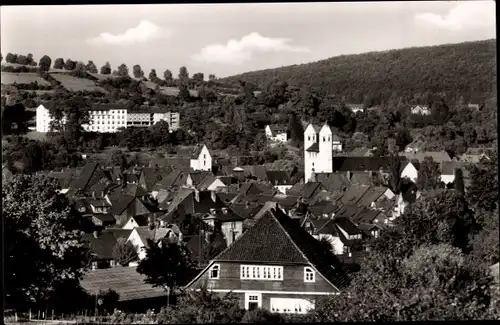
(69, 64)
(91, 67)
(428, 175)
(296, 129)
(137, 71)
(123, 70)
(216, 244)
(166, 264)
(1, 57)
(167, 75)
(106, 69)
(11, 58)
(211, 77)
(152, 76)
(198, 78)
(395, 168)
(459, 181)
(200, 307)
(184, 92)
(483, 190)
(118, 158)
(124, 252)
(21, 59)
(43, 247)
(45, 63)
(183, 76)
(59, 63)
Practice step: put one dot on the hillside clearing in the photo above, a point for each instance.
(77, 84)
(9, 78)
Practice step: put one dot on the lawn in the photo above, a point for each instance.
(9, 78)
(174, 91)
(76, 84)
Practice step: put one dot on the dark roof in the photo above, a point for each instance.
(333, 181)
(170, 180)
(371, 195)
(278, 177)
(345, 164)
(121, 204)
(278, 128)
(276, 238)
(257, 171)
(227, 197)
(197, 151)
(99, 203)
(313, 148)
(246, 210)
(134, 190)
(448, 168)
(437, 156)
(198, 176)
(347, 225)
(105, 217)
(126, 281)
(119, 232)
(225, 215)
(83, 181)
(306, 190)
(102, 246)
(151, 176)
(189, 205)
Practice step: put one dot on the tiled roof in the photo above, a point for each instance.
(437, 156)
(258, 213)
(134, 190)
(448, 168)
(152, 176)
(81, 182)
(119, 232)
(102, 246)
(170, 180)
(278, 128)
(345, 164)
(372, 195)
(313, 148)
(197, 151)
(278, 177)
(246, 210)
(347, 225)
(333, 181)
(155, 235)
(227, 197)
(99, 203)
(105, 217)
(121, 204)
(126, 281)
(198, 176)
(361, 178)
(257, 171)
(276, 238)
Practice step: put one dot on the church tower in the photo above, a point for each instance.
(325, 150)
(311, 151)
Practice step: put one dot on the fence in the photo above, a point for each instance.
(51, 317)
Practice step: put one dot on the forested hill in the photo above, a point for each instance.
(464, 69)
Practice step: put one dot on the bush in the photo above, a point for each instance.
(262, 316)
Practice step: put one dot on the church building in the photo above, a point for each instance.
(318, 150)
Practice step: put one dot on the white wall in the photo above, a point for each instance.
(337, 244)
(447, 179)
(131, 224)
(228, 234)
(216, 185)
(411, 172)
(204, 161)
(283, 188)
(137, 242)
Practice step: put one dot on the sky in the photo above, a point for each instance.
(228, 39)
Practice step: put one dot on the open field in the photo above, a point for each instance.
(174, 91)
(22, 78)
(17, 65)
(76, 84)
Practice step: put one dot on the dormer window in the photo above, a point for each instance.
(309, 275)
(214, 273)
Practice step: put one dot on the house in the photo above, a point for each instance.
(201, 158)
(275, 265)
(336, 143)
(140, 235)
(280, 180)
(278, 133)
(91, 174)
(126, 206)
(437, 156)
(410, 171)
(448, 171)
(194, 179)
(230, 223)
(415, 146)
(325, 229)
(143, 220)
(44, 119)
(134, 293)
(104, 119)
(149, 177)
(101, 245)
(103, 219)
(355, 108)
(420, 110)
(475, 107)
(307, 191)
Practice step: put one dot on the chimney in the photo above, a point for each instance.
(214, 197)
(207, 236)
(224, 210)
(348, 174)
(96, 233)
(93, 195)
(212, 211)
(197, 195)
(180, 237)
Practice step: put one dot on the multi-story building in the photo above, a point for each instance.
(43, 119)
(170, 117)
(105, 119)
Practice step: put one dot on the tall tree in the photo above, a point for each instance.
(91, 67)
(428, 175)
(152, 75)
(124, 252)
(211, 77)
(137, 71)
(198, 78)
(483, 190)
(296, 129)
(183, 75)
(59, 63)
(30, 58)
(11, 58)
(106, 69)
(43, 247)
(22, 59)
(459, 181)
(69, 64)
(123, 70)
(167, 75)
(45, 63)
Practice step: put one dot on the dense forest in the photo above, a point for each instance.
(465, 69)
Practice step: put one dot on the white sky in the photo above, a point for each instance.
(227, 39)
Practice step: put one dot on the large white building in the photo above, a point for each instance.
(110, 119)
(201, 158)
(318, 150)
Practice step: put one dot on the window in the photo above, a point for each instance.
(214, 271)
(308, 274)
(308, 138)
(323, 139)
(260, 272)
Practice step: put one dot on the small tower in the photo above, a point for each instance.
(311, 151)
(325, 150)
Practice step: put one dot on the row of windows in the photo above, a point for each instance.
(261, 272)
(313, 138)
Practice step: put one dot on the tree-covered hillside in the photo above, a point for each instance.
(465, 69)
